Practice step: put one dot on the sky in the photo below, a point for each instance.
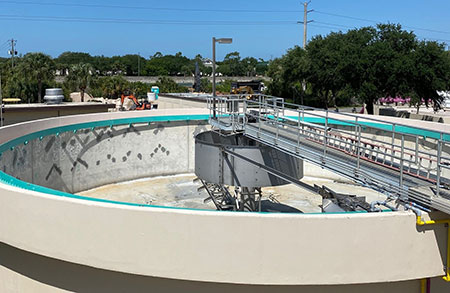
(259, 28)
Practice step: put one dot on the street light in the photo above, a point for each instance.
(214, 41)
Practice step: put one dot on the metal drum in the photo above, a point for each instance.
(54, 96)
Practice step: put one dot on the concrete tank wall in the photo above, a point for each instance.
(88, 158)
(21, 271)
(45, 236)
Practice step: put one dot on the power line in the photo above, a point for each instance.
(147, 7)
(335, 25)
(143, 21)
(374, 21)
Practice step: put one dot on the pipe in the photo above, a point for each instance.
(417, 211)
(383, 203)
(425, 285)
(421, 222)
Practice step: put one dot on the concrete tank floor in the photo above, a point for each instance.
(181, 191)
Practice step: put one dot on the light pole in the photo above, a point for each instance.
(214, 41)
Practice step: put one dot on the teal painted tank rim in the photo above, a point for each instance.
(14, 182)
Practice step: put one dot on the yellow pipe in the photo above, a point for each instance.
(420, 222)
(423, 286)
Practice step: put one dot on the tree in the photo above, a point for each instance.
(67, 59)
(231, 65)
(288, 74)
(160, 65)
(367, 64)
(112, 87)
(389, 64)
(324, 56)
(80, 78)
(431, 73)
(140, 89)
(262, 67)
(168, 85)
(249, 64)
(38, 67)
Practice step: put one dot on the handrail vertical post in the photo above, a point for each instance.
(356, 131)
(303, 121)
(438, 175)
(358, 152)
(259, 116)
(277, 117)
(325, 138)
(393, 145)
(244, 120)
(417, 150)
(402, 153)
(298, 129)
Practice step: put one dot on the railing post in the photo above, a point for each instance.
(438, 175)
(417, 151)
(325, 138)
(260, 115)
(244, 120)
(402, 153)
(358, 146)
(303, 121)
(356, 128)
(298, 135)
(393, 145)
(277, 117)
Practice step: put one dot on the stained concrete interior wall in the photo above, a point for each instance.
(73, 162)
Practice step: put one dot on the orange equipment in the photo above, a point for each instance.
(139, 106)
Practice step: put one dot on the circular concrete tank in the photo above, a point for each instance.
(48, 233)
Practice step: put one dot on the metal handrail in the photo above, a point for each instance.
(235, 111)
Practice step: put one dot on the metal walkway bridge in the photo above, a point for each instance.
(409, 164)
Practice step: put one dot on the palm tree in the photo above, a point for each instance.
(39, 67)
(80, 77)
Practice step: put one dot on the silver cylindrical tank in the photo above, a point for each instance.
(214, 166)
(54, 96)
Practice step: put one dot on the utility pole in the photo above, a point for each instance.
(13, 51)
(305, 22)
(305, 38)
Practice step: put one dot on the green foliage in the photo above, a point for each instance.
(223, 87)
(431, 71)
(205, 85)
(232, 65)
(80, 78)
(140, 89)
(168, 85)
(288, 74)
(112, 87)
(30, 76)
(364, 64)
(160, 65)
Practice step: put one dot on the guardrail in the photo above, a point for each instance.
(407, 163)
